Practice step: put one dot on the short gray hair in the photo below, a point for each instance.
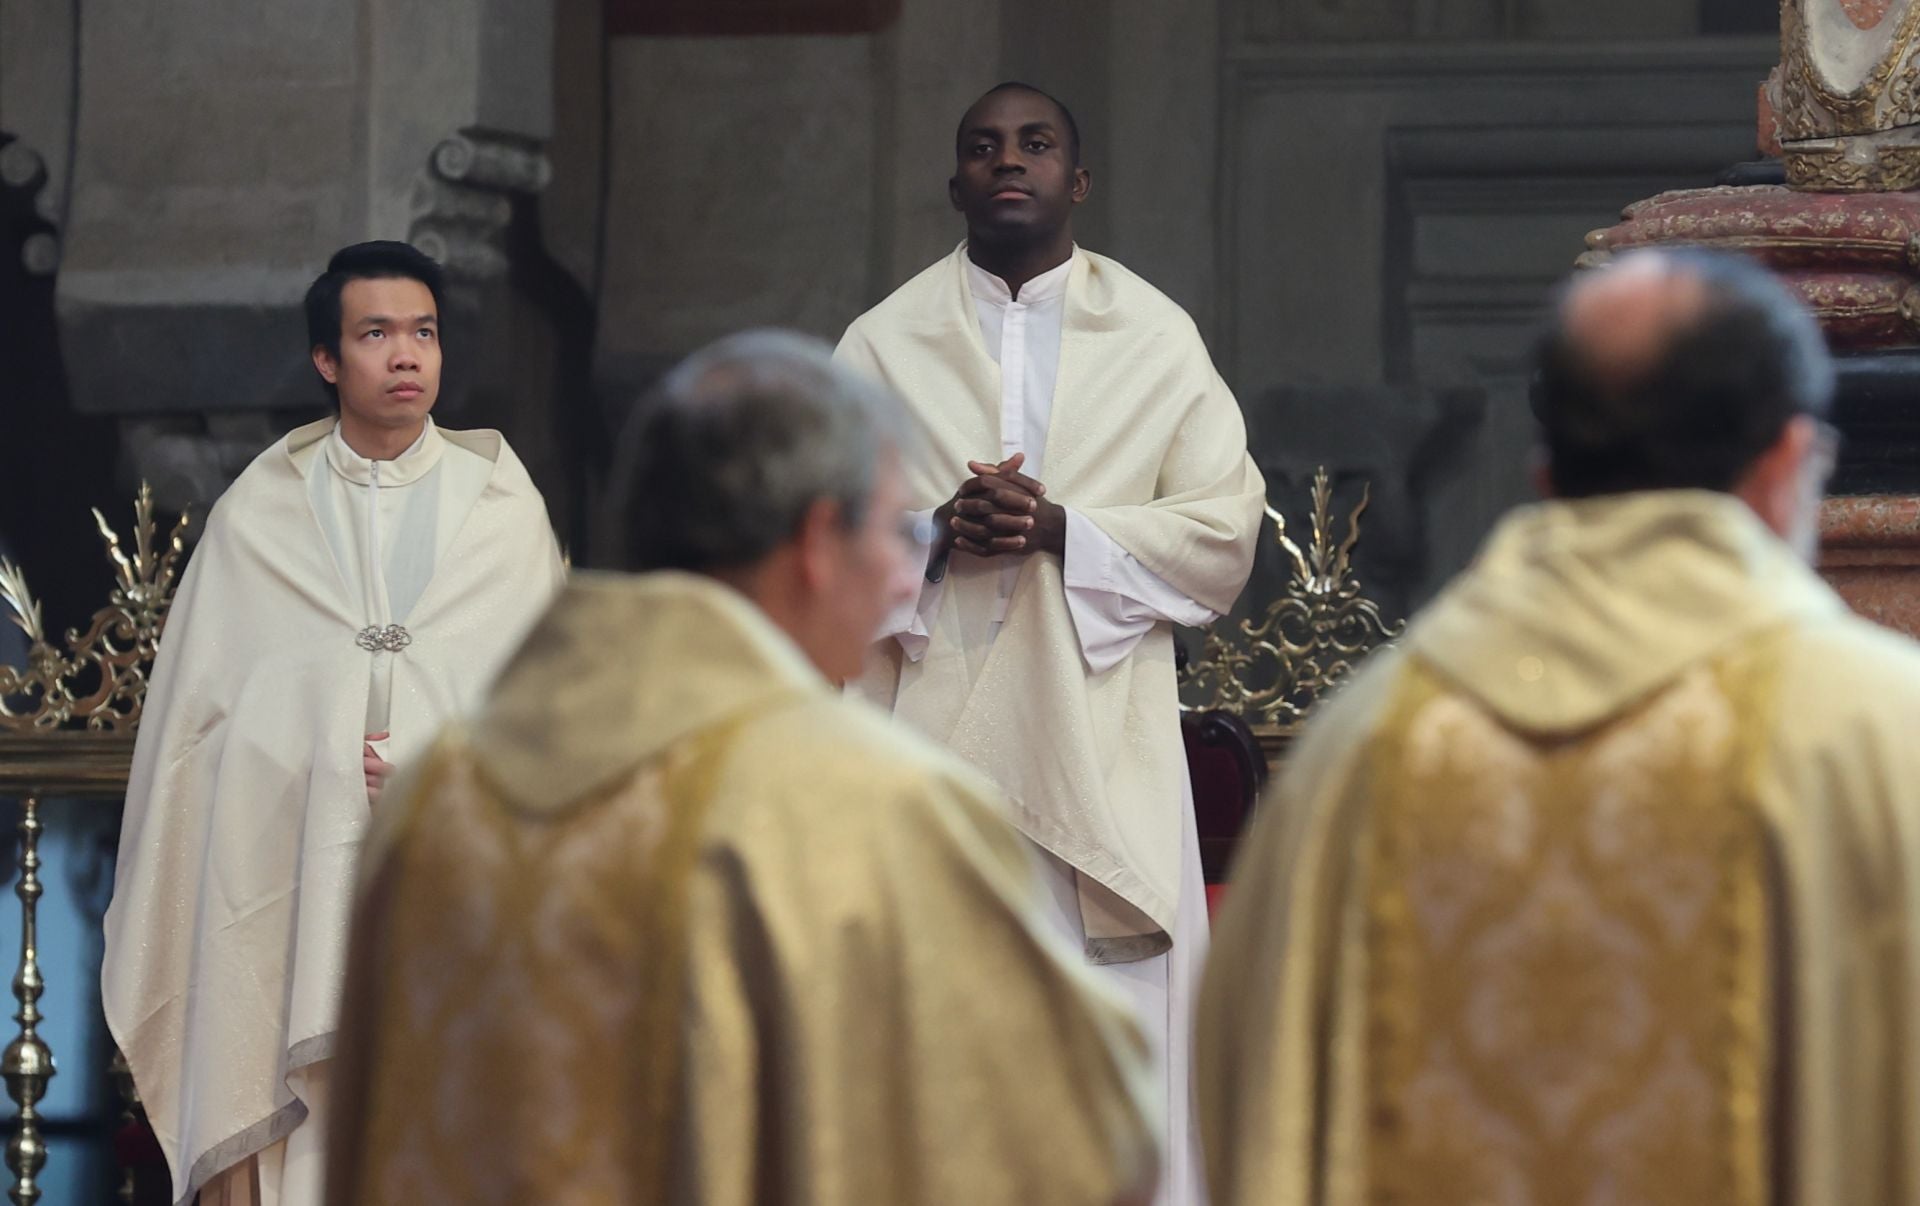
(720, 461)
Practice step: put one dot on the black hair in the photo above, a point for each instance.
(380, 260)
(1718, 396)
(1066, 114)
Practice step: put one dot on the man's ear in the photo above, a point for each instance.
(818, 541)
(953, 193)
(328, 367)
(1540, 472)
(1082, 184)
(1771, 484)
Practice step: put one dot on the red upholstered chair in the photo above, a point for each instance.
(1227, 769)
(136, 1151)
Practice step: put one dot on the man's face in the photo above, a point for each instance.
(1015, 176)
(877, 569)
(388, 371)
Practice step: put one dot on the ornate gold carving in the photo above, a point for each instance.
(1803, 87)
(1273, 672)
(1910, 307)
(101, 681)
(1776, 222)
(1851, 299)
(1830, 170)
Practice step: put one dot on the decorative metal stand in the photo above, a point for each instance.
(100, 683)
(28, 1064)
(66, 731)
(1272, 669)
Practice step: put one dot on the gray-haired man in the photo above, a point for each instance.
(676, 921)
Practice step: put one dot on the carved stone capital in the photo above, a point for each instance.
(22, 169)
(501, 165)
(21, 166)
(464, 199)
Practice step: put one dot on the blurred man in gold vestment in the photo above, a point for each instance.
(675, 921)
(1605, 888)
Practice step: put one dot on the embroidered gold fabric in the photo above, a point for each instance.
(1568, 1004)
(559, 916)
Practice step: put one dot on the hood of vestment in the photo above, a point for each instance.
(1577, 610)
(620, 668)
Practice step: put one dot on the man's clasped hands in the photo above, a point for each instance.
(1000, 511)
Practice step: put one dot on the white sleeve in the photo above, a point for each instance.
(910, 622)
(1114, 600)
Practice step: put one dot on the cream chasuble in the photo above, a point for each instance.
(677, 922)
(1145, 443)
(1605, 889)
(247, 802)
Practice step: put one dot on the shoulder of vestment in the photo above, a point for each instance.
(851, 750)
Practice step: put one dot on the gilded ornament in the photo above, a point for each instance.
(1273, 671)
(1854, 107)
(100, 682)
(1910, 307)
(1829, 169)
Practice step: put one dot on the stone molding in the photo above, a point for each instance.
(464, 199)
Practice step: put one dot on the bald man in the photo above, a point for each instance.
(1605, 886)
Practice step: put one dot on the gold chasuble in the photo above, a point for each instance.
(676, 922)
(1146, 441)
(1602, 891)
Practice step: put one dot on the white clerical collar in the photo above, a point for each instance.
(410, 466)
(1048, 285)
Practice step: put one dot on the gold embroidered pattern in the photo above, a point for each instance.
(1567, 1002)
(538, 929)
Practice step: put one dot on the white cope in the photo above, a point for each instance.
(1114, 600)
(386, 524)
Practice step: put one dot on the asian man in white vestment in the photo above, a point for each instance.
(356, 587)
(674, 920)
(1604, 887)
(1087, 474)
